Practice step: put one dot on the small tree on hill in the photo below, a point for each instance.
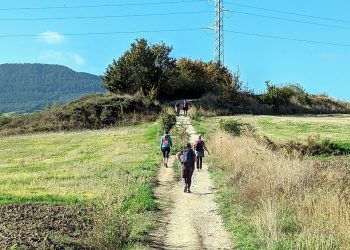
(143, 69)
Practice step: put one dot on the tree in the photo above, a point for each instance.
(194, 78)
(143, 68)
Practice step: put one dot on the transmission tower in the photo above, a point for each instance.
(219, 32)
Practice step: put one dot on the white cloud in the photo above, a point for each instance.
(51, 37)
(60, 57)
(78, 59)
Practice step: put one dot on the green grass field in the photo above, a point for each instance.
(284, 128)
(111, 166)
(273, 201)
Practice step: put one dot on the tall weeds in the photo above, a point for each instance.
(288, 203)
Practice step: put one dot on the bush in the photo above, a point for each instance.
(168, 120)
(181, 138)
(236, 127)
(277, 96)
(314, 146)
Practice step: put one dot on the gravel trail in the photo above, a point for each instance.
(188, 221)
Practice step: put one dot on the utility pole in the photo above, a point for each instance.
(219, 32)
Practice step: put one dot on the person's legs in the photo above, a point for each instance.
(200, 161)
(189, 178)
(189, 182)
(197, 163)
(184, 176)
(164, 155)
(167, 152)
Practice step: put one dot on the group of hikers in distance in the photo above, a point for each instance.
(184, 107)
(190, 156)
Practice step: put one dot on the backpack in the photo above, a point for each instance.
(185, 105)
(199, 146)
(188, 155)
(165, 142)
(177, 105)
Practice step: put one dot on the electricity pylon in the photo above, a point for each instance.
(219, 32)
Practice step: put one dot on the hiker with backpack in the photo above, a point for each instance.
(177, 108)
(187, 159)
(199, 147)
(166, 144)
(185, 107)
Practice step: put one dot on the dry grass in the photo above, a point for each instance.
(289, 203)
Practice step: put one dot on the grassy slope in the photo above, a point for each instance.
(240, 210)
(284, 128)
(116, 165)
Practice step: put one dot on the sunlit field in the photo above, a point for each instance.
(111, 168)
(271, 200)
(284, 128)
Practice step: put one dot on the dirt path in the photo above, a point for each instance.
(189, 221)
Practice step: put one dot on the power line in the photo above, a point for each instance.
(289, 13)
(165, 14)
(99, 6)
(179, 30)
(105, 33)
(101, 17)
(292, 20)
(288, 38)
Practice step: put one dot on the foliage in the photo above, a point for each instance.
(235, 127)
(314, 146)
(168, 120)
(276, 96)
(31, 87)
(149, 69)
(181, 137)
(143, 68)
(194, 78)
(90, 112)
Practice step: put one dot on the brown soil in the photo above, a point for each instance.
(41, 226)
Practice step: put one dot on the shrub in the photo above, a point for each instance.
(277, 96)
(168, 120)
(181, 138)
(314, 146)
(236, 127)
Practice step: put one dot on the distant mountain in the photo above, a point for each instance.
(30, 87)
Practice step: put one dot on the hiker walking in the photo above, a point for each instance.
(185, 107)
(199, 147)
(177, 108)
(187, 159)
(166, 144)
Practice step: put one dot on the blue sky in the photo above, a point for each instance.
(316, 66)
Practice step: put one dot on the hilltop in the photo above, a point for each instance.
(30, 87)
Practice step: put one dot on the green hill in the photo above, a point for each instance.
(29, 87)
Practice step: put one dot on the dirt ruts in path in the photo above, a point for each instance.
(188, 221)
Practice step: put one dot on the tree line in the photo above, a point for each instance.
(150, 69)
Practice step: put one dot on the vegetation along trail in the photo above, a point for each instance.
(189, 221)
